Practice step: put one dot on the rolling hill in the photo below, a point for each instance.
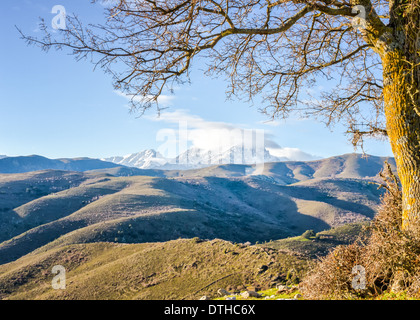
(178, 269)
(45, 209)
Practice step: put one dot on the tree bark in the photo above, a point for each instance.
(402, 105)
(403, 127)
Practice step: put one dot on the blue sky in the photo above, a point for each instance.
(53, 106)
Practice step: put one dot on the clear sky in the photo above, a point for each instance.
(54, 106)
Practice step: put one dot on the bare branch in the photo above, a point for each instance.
(274, 50)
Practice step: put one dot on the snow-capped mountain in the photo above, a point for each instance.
(146, 159)
(241, 155)
(195, 158)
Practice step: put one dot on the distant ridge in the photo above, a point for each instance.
(350, 165)
(35, 163)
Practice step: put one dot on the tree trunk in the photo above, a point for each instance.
(402, 105)
(403, 127)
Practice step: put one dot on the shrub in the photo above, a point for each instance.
(389, 256)
(308, 234)
(332, 276)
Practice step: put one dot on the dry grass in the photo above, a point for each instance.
(389, 255)
(178, 269)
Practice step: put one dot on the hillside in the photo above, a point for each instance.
(353, 166)
(179, 269)
(114, 219)
(322, 242)
(97, 206)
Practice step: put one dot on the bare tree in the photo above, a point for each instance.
(277, 50)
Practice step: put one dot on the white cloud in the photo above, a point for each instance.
(201, 133)
(193, 131)
(293, 154)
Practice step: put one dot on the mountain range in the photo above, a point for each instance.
(49, 208)
(124, 232)
(195, 158)
(192, 158)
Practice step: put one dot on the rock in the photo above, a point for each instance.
(282, 288)
(245, 295)
(254, 294)
(297, 296)
(222, 292)
(249, 293)
(231, 298)
(255, 287)
(204, 298)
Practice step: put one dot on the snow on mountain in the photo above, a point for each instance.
(241, 155)
(195, 158)
(146, 159)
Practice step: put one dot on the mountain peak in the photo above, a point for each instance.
(195, 157)
(145, 159)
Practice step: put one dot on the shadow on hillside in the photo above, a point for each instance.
(313, 194)
(10, 223)
(247, 203)
(229, 209)
(125, 222)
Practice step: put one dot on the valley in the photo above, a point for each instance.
(47, 211)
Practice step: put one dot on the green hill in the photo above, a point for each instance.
(118, 231)
(136, 209)
(179, 269)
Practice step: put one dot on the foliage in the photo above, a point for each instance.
(390, 257)
(308, 234)
(275, 50)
